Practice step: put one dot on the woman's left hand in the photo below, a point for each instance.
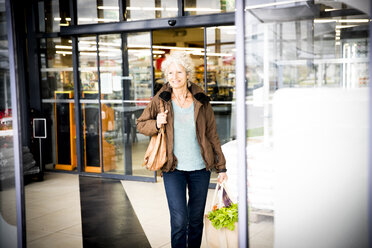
(222, 177)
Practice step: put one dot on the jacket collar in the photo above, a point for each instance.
(165, 93)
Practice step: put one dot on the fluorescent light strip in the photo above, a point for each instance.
(328, 10)
(273, 4)
(203, 9)
(63, 47)
(212, 54)
(83, 19)
(345, 26)
(179, 48)
(152, 8)
(108, 7)
(158, 52)
(341, 20)
(64, 52)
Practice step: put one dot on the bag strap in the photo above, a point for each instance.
(220, 187)
(162, 106)
(214, 196)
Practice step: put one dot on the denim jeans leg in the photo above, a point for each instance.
(175, 188)
(198, 182)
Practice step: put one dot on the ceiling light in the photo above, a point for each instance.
(63, 47)
(64, 52)
(108, 7)
(273, 4)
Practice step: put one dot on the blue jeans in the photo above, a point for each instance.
(186, 217)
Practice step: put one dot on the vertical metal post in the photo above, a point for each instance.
(370, 133)
(99, 106)
(181, 9)
(152, 80)
(122, 10)
(17, 144)
(75, 66)
(205, 61)
(241, 124)
(152, 65)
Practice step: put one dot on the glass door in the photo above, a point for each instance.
(307, 74)
(212, 51)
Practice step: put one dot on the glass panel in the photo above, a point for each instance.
(221, 80)
(52, 15)
(8, 215)
(58, 86)
(92, 11)
(221, 63)
(89, 103)
(150, 9)
(111, 79)
(88, 67)
(56, 66)
(139, 84)
(303, 126)
(190, 40)
(202, 7)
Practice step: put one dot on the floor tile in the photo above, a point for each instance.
(57, 240)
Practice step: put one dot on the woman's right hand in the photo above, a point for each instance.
(161, 119)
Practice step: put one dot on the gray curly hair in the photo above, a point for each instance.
(179, 58)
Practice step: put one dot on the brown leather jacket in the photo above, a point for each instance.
(206, 131)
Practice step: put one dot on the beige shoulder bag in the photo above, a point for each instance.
(156, 153)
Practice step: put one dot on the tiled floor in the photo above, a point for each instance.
(53, 212)
(54, 217)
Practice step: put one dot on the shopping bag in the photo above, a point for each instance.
(156, 153)
(223, 237)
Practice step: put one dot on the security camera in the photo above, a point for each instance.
(172, 22)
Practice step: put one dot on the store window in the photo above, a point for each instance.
(202, 7)
(53, 14)
(221, 63)
(221, 78)
(89, 103)
(150, 9)
(92, 11)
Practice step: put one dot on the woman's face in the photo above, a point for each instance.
(177, 76)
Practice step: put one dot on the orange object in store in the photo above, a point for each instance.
(92, 136)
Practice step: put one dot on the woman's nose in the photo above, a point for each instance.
(173, 76)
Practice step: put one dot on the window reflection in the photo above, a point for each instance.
(150, 9)
(53, 14)
(56, 66)
(88, 65)
(202, 7)
(92, 11)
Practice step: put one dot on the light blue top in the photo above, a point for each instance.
(186, 147)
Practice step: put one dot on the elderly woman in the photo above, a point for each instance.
(193, 147)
